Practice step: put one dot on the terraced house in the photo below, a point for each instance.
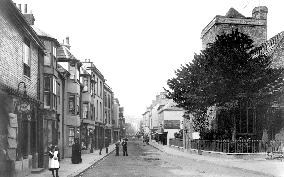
(20, 52)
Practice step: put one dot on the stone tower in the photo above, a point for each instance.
(255, 26)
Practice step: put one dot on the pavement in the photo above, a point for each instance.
(258, 165)
(67, 169)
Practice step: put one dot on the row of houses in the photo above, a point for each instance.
(48, 96)
(162, 119)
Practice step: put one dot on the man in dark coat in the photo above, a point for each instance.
(106, 144)
(76, 152)
(124, 147)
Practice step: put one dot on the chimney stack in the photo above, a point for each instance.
(24, 10)
(67, 44)
(67, 40)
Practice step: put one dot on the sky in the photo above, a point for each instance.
(138, 44)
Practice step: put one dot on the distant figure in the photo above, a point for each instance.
(106, 144)
(100, 147)
(117, 148)
(76, 152)
(124, 147)
(54, 158)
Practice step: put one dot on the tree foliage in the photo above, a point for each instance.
(228, 71)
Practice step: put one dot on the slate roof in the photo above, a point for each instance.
(233, 13)
(63, 52)
(41, 33)
(270, 46)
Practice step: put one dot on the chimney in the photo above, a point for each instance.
(29, 17)
(26, 9)
(67, 40)
(260, 12)
(20, 7)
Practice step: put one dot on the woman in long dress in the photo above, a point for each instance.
(54, 160)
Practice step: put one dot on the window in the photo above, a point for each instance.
(72, 104)
(71, 137)
(108, 101)
(77, 102)
(54, 51)
(58, 92)
(97, 86)
(85, 110)
(47, 85)
(101, 111)
(72, 71)
(47, 60)
(54, 97)
(51, 92)
(101, 89)
(91, 111)
(97, 110)
(92, 89)
(27, 58)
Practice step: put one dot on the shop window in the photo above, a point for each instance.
(71, 137)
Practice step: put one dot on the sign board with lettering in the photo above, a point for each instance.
(195, 135)
(171, 124)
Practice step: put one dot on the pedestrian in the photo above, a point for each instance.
(124, 147)
(76, 152)
(106, 144)
(117, 148)
(100, 147)
(54, 158)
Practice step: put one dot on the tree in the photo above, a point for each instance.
(229, 71)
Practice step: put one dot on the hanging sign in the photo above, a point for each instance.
(13, 120)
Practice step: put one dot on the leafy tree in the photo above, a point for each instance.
(229, 71)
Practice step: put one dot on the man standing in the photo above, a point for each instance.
(124, 147)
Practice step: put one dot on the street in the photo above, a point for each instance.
(145, 160)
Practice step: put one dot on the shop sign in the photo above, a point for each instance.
(171, 124)
(13, 120)
(195, 135)
(24, 107)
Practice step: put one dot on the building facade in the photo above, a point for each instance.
(20, 53)
(115, 119)
(108, 112)
(255, 26)
(72, 94)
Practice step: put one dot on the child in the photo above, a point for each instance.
(54, 160)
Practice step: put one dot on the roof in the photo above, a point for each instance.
(270, 46)
(170, 106)
(233, 13)
(44, 34)
(62, 70)
(20, 19)
(63, 52)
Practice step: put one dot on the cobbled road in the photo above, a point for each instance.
(146, 161)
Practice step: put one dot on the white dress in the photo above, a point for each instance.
(53, 162)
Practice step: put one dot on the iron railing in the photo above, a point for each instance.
(176, 142)
(237, 146)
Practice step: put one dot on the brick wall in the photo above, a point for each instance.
(257, 32)
(11, 55)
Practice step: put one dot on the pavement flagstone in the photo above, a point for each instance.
(261, 165)
(67, 169)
